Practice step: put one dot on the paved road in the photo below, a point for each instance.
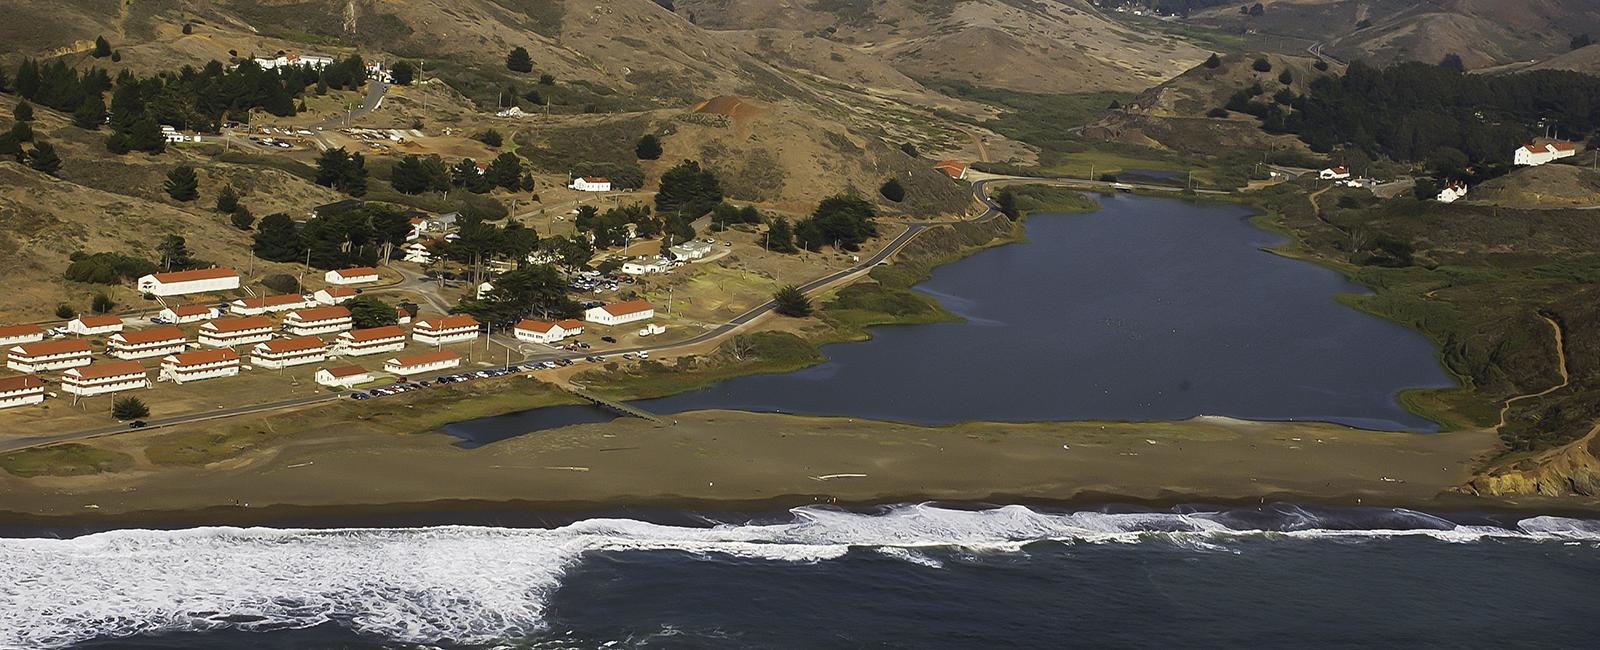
(369, 103)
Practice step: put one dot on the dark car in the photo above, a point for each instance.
(608, 339)
(137, 424)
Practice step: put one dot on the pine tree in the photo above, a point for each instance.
(227, 200)
(23, 111)
(402, 73)
(91, 112)
(102, 47)
(241, 218)
(780, 236)
(129, 408)
(892, 190)
(174, 252)
(791, 301)
(43, 158)
(648, 147)
(519, 60)
(276, 239)
(182, 183)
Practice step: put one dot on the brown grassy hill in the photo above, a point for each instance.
(1542, 187)
(1483, 32)
(1585, 60)
(1174, 115)
(1057, 47)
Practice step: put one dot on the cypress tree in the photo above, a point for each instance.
(182, 183)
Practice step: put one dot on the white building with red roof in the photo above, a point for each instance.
(228, 332)
(422, 363)
(591, 184)
(444, 330)
(178, 283)
(143, 344)
(107, 377)
(343, 376)
(371, 340)
(334, 295)
(539, 331)
(1532, 155)
(20, 390)
(620, 313)
(200, 364)
(189, 313)
(284, 353)
(49, 355)
(270, 304)
(1334, 173)
(318, 320)
(94, 325)
(953, 168)
(352, 275)
(18, 334)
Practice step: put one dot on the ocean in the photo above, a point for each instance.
(905, 576)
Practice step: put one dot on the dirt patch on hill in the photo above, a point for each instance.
(737, 108)
(1545, 186)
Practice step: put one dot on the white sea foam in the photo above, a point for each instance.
(476, 585)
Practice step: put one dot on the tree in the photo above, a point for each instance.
(281, 283)
(1425, 189)
(182, 183)
(892, 190)
(241, 218)
(1257, 9)
(415, 175)
(909, 149)
(519, 60)
(1286, 77)
(780, 237)
(791, 301)
(1213, 62)
(65, 311)
(688, 189)
(91, 112)
(368, 311)
(1453, 63)
(489, 137)
(536, 289)
(402, 73)
(339, 169)
(1261, 65)
(648, 147)
(23, 111)
(43, 158)
(227, 200)
(128, 407)
(143, 135)
(21, 132)
(277, 240)
(1006, 202)
(102, 303)
(107, 268)
(842, 220)
(1582, 41)
(174, 253)
(547, 79)
(505, 171)
(1320, 65)
(188, 28)
(102, 47)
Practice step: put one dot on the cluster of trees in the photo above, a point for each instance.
(358, 237)
(478, 240)
(688, 190)
(612, 228)
(367, 311)
(107, 268)
(536, 289)
(726, 214)
(1416, 112)
(842, 221)
(417, 174)
(343, 171)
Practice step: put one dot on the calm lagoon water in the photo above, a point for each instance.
(1150, 309)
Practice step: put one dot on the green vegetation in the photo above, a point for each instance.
(892, 190)
(842, 221)
(332, 241)
(417, 174)
(1040, 119)
(688, 190)
(746, 354)
(518, 60)
(791, 301)
(42, 157)
(1044, 198)
(342, 170)
(129, 408)
(70, 459)
(648, 147)
(107, 268)
(182, 184)
(367, 311)
(534, 289)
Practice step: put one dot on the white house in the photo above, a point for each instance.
(1539, 154)
(94, 325)
(353, 275)
(591, 184)
(418, 253)
(229, 332)
(343, 376)
(270, 304)
(189, 313)
(318, 320)
(49, 355)
(198, 365)
(443, 330)
(421, 363)
(1334, 173)
(316, 61)
(284, 353)
(372, 340)
(691, 250)
(102, 378)
(538, 331)
(19, 334)
(172, 135)
(21, 390)
(143, 344)
(644, 266)
(334, 295)
(1452, 192)
(618, 313)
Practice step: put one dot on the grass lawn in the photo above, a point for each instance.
(71, 459)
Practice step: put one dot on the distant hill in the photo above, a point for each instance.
(1483, 33)
(1585, 60)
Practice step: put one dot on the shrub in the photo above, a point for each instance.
(892, 190)
(102, 303)
(281, 283)
(65, 311)
(1261, 65)
(129, 408)
(792, 302)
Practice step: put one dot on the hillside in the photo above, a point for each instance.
(1055, 47)
(1483, 33)
(1176, 114)
(1585, 60)
(1542, 187)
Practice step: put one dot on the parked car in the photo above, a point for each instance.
(137, 424)
(608, 339)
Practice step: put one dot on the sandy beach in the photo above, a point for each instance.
(734, 460)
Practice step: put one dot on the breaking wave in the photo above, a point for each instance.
(473, 585)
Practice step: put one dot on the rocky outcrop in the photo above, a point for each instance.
(1572, 469)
